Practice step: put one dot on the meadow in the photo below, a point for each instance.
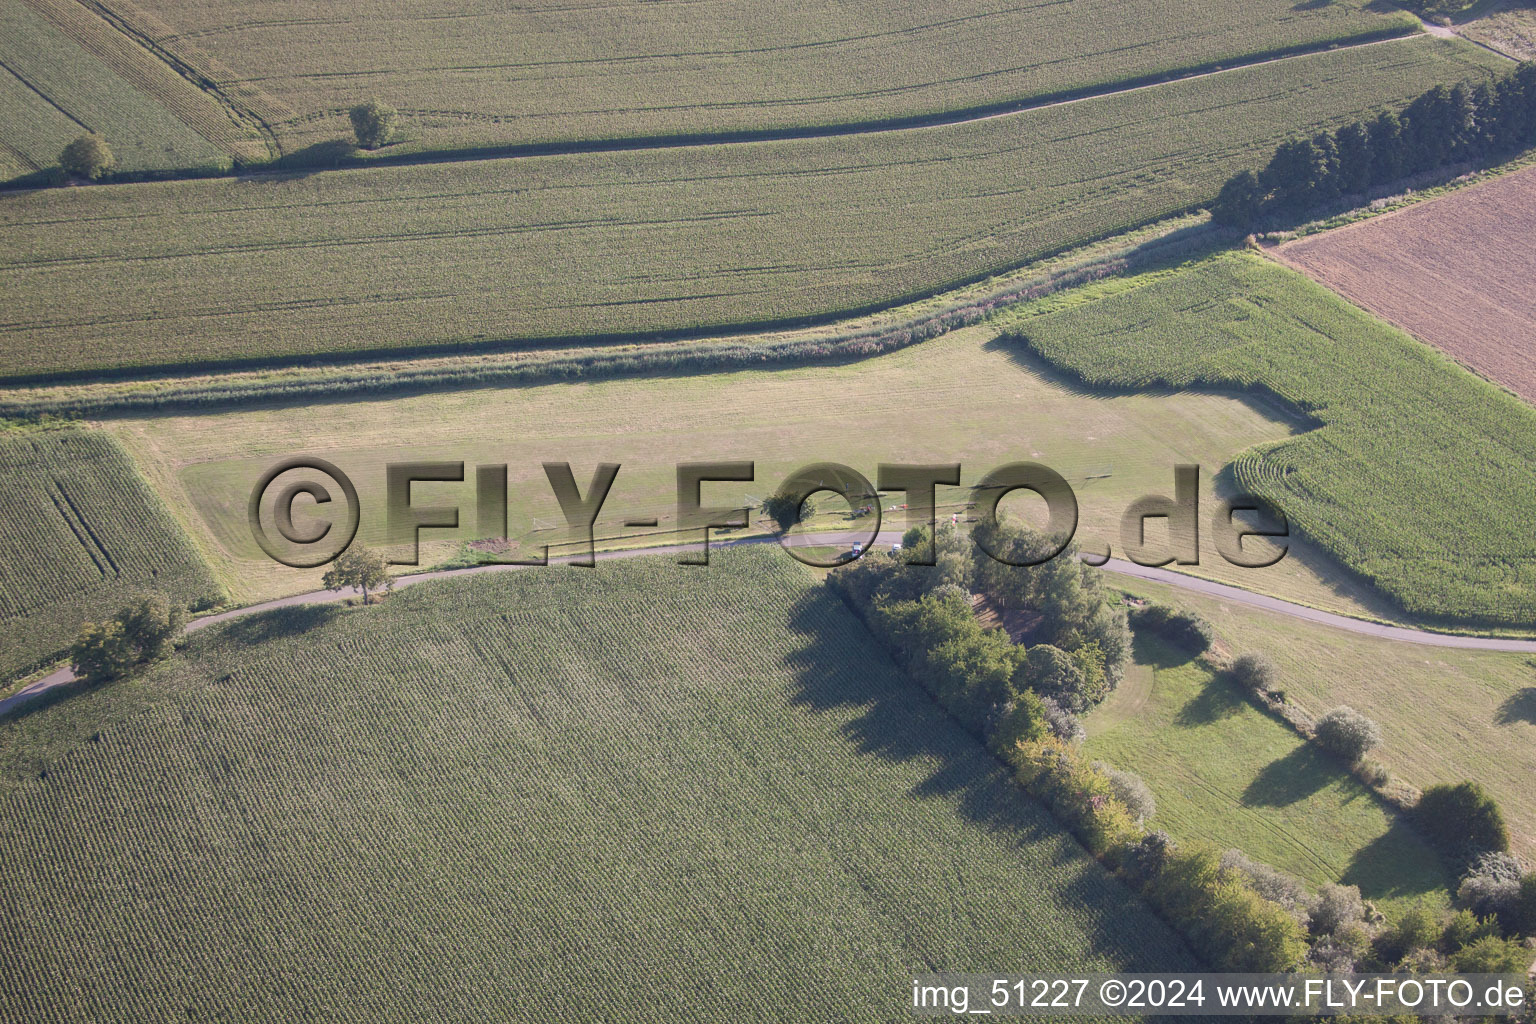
(1226, 773)
(961, 397)
(53, 91)
(83, 533)
(638, 792)
(516, 252)
(1446, 715)
(1417, 471)
(488, 74)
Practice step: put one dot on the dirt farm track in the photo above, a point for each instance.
(1454, 272)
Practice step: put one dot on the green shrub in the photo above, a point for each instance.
(1080, 796)
(1463, 928)
(1525, 906)
(1417, 929)
(1492, 955)
(1335, 908)
(1184, 630)
(1271, 883)
(1347, 734)
(1463, 820)
(1228, 924)
(89, 156)
(1255, 673)
(1131, 790)
(1022, 721)
(1145, 859)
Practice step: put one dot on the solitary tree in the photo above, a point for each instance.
(358, 567)
(100, 652)
(1347, 733)
(373, 123)
(144, 631)
(89, 156)
(784, 510)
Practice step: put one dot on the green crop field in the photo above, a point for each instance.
(1228, 774)
(83, 533)
(1445, 714)
(52, 92)
(502, 251)
(488, 73)
(620, 793)
(1418, 472)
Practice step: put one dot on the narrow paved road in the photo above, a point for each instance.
(1236, 595)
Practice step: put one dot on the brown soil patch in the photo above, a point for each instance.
(1458, 273)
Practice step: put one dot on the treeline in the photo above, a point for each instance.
(1069, 648)
(1444, 126)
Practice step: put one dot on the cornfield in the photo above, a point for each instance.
(640, 792)
(1417, 476)
(83, 533)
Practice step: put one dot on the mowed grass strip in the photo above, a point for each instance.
(1446, 715)
(485, 73)
(1226, 773)
(564, 793)
(59, 92)
(82, 534)
(504, 251)
(1418, 471)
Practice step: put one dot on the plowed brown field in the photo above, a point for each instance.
(1458, 273)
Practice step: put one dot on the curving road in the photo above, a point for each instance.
(1236, 595)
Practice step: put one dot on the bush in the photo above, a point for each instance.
(1080, 796)
(1022, 721)
(1492, 955)
(1347, 734)
(1463, 928)
(1184, 630)
(89, 156)
(1271, 883)
(1255, 673)
(1229, 925)
(1491, 888)
(1525, 906)
(1417, 929)
(1131, 790)
(373, 123)
(1063, 723)
(1144, 859)
(1336, 907)
(1463, 820)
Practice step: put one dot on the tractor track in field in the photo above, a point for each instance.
(1236, 595)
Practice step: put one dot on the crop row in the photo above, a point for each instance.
(81, 533)
(505, 252)
(635, 792)
(1417, 470)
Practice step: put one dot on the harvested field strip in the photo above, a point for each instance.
(492, 798)
(604, 246)
(1417, 468)
(83, 534)
(80, 93)
(1455, 273)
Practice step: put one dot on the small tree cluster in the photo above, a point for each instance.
(89, 157)
(1347, 734)
(1131, 790)
(141, 632)
(1443, 126)
(786, 510)
(373, 123)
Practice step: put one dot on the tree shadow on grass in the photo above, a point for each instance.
(1294, 777)
(1217, 699)
(1519, 706)
(1397, 864)
(1150, 649)
(841, 666)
